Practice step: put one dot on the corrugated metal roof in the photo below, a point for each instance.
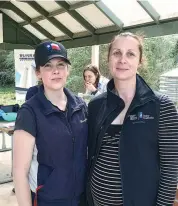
(67, 20)
(94, 16)
(80, 23)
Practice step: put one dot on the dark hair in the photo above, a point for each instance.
(139, 38)
(95, 70)
(37, 69)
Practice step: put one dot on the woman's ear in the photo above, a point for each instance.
(38, 74)
(142, 64)
(68, 70)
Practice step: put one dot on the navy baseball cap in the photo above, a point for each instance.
(49, 50)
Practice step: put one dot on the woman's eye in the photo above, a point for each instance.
(61, 65)
(47, 65)
(131, 54)
(116, 53)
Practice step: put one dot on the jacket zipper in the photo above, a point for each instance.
(73, 142)
(125, 118)
(73, 146)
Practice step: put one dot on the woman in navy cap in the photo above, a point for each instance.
(50, 138)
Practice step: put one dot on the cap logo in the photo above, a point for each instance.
(55, 46)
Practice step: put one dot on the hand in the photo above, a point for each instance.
(90, 87)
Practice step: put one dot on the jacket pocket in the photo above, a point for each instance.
(59, 185)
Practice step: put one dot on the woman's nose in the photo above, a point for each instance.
(122, 59)
(55, 70)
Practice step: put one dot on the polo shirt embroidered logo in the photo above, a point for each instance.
(82, 121)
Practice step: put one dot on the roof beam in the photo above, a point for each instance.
(9, 46)
(54, 21)
(76, 16)
(150, 10)
(2, 4)
(75, 36)
(28, 19)
(51, 14)
(80, 4)
(56, 12)
(105, 10)
(150, 30)
(31, 36)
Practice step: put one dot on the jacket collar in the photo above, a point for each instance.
(73, 102)
(143, 92)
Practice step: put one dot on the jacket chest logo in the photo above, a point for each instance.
(84, 120)
(140, 117)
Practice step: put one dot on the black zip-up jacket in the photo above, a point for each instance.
(139, 152)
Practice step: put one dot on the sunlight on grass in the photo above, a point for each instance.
(7, 96)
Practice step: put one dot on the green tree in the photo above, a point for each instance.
(175, 53)
(7, 71)
(79, 57)
(159, 58)
(103, 64)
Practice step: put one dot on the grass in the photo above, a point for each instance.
(7, 96)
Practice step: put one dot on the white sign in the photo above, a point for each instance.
(25, 76)
(1, 29)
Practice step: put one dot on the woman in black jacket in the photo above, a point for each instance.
(133, 136)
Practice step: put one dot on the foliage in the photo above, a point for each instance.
(103, 64)
(75, 84)
(7, 71)
(175, 53)
(159, 58)
(79, 57)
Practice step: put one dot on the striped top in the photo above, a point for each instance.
(168, 151)
(106, 179)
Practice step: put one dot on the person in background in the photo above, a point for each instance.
(133, 136)
(94, 82)
(32, 90)
(50, 138)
